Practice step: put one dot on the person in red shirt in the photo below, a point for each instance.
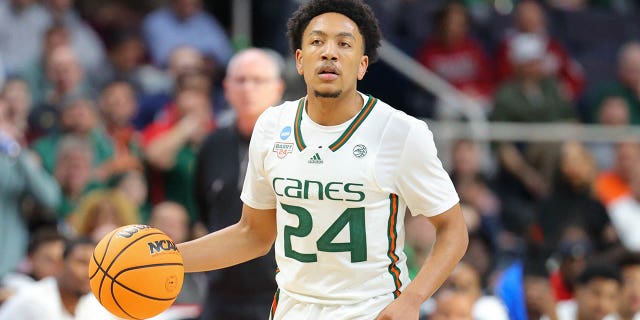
(452, 53)
(530, 18)
(170, 145)
(573, 251)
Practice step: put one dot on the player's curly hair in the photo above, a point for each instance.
(355, 10)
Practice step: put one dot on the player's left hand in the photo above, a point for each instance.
(403, 308)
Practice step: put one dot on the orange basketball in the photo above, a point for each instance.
(136, 272)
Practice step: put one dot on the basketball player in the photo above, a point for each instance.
(329, 179)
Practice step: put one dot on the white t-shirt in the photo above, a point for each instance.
(625, 217)
(340, 193)
(489, 308)
(41, 300)
(568, 310)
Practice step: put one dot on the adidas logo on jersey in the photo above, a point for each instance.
(316, 159)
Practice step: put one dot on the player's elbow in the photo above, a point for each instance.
(264, 243)
(260, 239)
(451, 230)
(461, 234)
(264, 250)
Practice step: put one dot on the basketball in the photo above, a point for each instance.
(136, 272)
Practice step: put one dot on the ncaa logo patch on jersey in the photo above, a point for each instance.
(359, 151)
(285, 133)
(282, 149)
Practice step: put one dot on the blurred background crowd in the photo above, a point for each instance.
(120, 112)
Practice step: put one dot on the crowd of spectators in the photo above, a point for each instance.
(114, 113)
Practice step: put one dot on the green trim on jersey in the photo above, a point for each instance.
(393, 237)
(274, 304)
(362, 115)
(296, 125)
(354, 124)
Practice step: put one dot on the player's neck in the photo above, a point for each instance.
(333, 111)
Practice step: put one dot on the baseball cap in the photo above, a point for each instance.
(574, 249)
(526, 47)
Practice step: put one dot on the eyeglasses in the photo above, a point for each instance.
(256, 81)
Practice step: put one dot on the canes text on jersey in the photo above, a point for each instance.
(309, 189)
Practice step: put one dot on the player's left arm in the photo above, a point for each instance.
(451, 243)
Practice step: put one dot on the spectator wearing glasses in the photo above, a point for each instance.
(253, 83)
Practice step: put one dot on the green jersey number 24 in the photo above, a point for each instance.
(357, 245)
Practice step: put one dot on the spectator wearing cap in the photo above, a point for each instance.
(530, 96)
(572, 252)
(554, 61)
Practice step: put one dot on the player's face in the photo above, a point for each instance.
(331, 57)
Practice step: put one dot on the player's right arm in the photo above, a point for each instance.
(255, 233)
(249, 238)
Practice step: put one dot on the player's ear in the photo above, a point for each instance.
(299, 62)
(364, 64)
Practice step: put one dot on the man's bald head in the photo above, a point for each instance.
(252, 84)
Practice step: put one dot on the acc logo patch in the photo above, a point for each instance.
(359, 151)
(285, 132)
(282, 149)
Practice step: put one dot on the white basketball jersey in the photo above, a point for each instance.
(340, 194)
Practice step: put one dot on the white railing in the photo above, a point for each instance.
(477, 128)
(534, 132)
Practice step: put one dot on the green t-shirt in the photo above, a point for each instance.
(68, 205)
(616, 90)
(513, 105)
(47, 148)
(179, 180)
